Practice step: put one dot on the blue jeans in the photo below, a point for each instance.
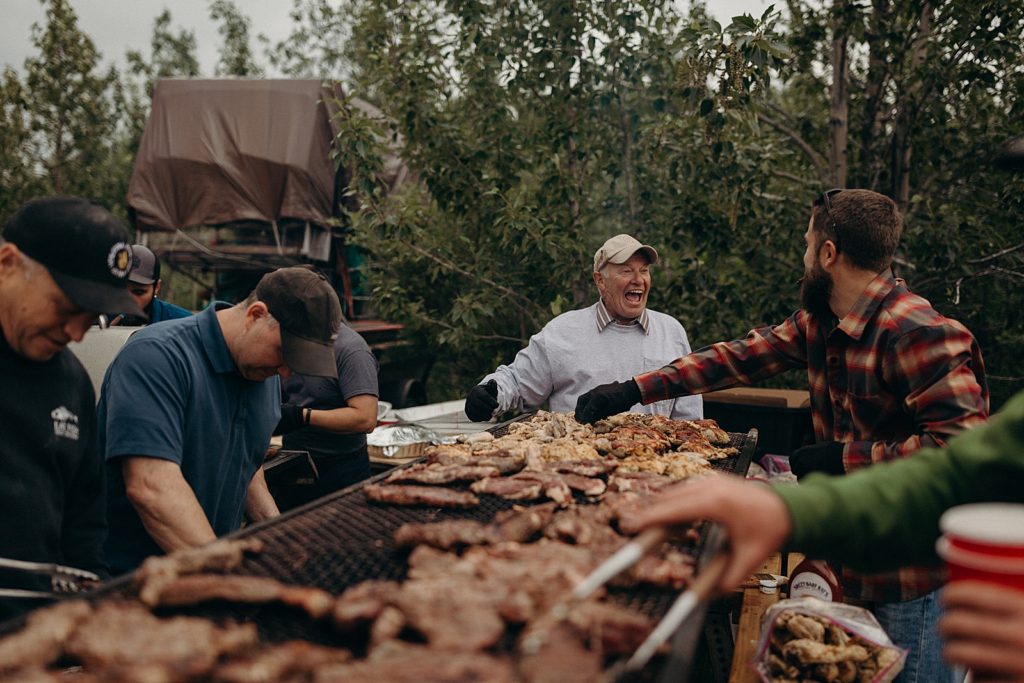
(913, 625)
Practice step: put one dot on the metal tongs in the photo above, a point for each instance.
(63, 579)
(699, 590)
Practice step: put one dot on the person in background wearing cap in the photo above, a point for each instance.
(330, 417)
(63, 261)
(616, 336)
(144, 284)
(887, 375)
(878, 517)
(188, 406)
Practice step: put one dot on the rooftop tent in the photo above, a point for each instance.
(251, 158)
(221, 150)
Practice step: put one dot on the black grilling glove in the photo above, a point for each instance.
(482, 401)
(826, 457)
(291, 418)
(605, 400)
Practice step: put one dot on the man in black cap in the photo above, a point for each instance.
(63, 261)
(188, 406)
(144, 283)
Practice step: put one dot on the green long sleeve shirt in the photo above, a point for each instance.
(887, 515)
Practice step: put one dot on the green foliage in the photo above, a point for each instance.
(537, 131)
(236, 57)
(59, 121)
(933, 90)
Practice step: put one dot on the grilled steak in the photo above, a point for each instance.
(414, 664)
(362, 603)
(221, 555)
(441, 474)
(433, 496)
(41, 641)
(597, 467)
(512, 488)
(588, 486)
(126, 634)
(445, 535)
(470, 618)
(500, 459)
(280, 662)
(200, 588)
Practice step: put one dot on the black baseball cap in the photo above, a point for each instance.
(309, 313)
(83, 246)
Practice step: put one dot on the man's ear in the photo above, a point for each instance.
(156, 286)
(599, 281)
(828, 255)
(256, 311)
(10, 258)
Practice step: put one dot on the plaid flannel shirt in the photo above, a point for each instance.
(889, 378)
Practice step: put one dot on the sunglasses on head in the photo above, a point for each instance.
(824, 200)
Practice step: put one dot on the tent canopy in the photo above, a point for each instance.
(216, 151)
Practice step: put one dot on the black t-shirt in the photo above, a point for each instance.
(51, 474)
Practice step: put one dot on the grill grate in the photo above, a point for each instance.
(342, 539)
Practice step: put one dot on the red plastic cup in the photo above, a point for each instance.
(984, 542)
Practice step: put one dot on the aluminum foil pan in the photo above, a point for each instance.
(391, 439)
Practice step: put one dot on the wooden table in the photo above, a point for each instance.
(755, 604)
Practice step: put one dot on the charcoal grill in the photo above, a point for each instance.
(343, 539)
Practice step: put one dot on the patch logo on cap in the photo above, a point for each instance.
(119, 259)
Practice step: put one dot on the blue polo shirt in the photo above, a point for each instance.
(173, 392)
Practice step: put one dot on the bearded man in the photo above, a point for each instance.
(887, 375)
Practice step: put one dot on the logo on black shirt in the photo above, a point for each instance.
(65, 423)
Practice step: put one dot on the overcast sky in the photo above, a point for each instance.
(116, 26)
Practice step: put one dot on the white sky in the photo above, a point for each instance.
(116, 26)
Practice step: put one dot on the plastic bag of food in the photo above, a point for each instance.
(807, 639)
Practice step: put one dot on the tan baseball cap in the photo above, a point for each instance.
(620, 249)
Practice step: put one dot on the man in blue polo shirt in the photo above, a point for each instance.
(188, 407)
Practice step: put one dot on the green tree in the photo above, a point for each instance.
(18, 182)
(537, 131)
(236, 56)
(61, 118)
(912, 99)
(317, 46)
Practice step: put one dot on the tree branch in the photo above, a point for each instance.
(819, 163)
(510, 293)
(1003, 252)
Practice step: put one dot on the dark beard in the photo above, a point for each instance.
(815, 291)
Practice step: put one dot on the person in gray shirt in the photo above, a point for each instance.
(596, 344)
(330, 417)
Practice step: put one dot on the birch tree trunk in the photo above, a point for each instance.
(840, 97)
